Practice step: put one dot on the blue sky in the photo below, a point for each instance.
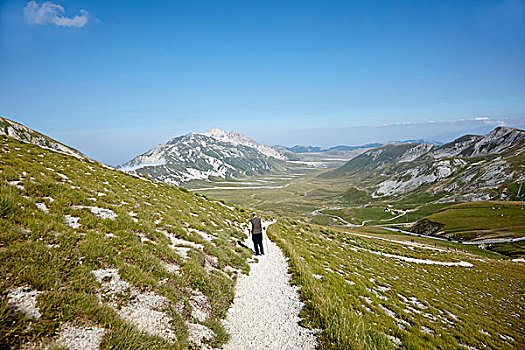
(115, 78)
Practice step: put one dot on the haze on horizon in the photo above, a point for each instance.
(114, 79)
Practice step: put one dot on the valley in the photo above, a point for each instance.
(128, 261)
(318, 200)
(397, 185)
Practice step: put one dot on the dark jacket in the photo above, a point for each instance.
(256, 225)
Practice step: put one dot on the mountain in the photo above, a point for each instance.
(472, 167)
(351, 148)
(381, 157)
(430, 142)
(216, 153)
(304, 149)
(317, 149)
(24, 134)
(91, 255)
(237, 138)
(495, 142)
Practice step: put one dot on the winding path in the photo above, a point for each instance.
(265, 311)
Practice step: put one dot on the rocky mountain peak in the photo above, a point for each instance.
(199, 156)
(236, 138)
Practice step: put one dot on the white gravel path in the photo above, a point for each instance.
(265, 311)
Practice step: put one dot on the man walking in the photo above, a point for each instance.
(257, 234)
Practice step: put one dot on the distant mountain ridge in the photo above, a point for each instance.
(196, 156)
(472, 167)
(495, 142)
(317, 149)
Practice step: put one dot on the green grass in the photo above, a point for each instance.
(361, 299)
(300, 196)
(41, 251)
(480, 216)
(484, 220)
(357, 215)
(400, 237)
(344, 280)
(297, 196)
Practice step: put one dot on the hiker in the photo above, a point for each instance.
(256, 231)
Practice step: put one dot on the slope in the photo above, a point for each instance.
(24, 134)
(89, 252)
(381, 157)
(380, 290)
(495, 225)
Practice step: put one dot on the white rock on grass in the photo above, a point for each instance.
(178, 241)
(420, 261)
(198, 333)
(145, 310)
(265, 311)
(24, 300)
(72, 221)
(43, 207)
(182, 251)
(201, 307)
(233, 270)
(111, 282)
(80, 338)
(211, 261)
(171, 268)
(144, 238)
(426, 330)
(17, 184)
(176, 244)
(100, 212)
(132, 213)
(396, 341)
(204, 235)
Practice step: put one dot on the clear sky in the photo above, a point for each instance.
(114, 78)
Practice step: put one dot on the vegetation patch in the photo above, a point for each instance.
(134, 229)
(358, 291)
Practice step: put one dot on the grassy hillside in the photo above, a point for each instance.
(479, 221)
(489, 219)
(372, 291)
(84, 247)
(24, 134)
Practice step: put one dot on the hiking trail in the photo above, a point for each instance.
(265, 311)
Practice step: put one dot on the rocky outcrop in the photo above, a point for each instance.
(426, 227)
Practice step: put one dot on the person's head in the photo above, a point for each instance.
(254, 214)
